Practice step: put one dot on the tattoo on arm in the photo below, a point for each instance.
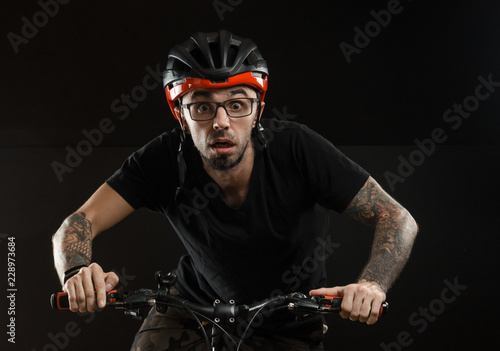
(395, 231)
(73, 243)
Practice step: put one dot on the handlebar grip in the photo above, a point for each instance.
(59, 301)
(337, 301)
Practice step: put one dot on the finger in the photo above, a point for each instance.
(111, 280)
(80, 302)
(375, 310)
(70, 288)
(347, 305)
(98, 277)
(365, 310)
(335, 291)
(355, 311)
(360, 304)
(88, 290)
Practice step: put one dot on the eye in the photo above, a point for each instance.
(203, 107)
(236, 105)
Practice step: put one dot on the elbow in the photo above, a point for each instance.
(409, 223)
(57, 236)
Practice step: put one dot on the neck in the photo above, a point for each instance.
(234, 183)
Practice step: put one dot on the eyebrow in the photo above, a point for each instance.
(202, 93)
(238, 91)
(208, 94)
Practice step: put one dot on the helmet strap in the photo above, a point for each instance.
(181, 163)
(261, 134)
(259, 129)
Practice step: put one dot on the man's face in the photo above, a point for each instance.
(223, 140)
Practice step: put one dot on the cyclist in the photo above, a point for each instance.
(250, 200)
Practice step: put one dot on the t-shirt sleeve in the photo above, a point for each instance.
(333, 178)
(147, 177)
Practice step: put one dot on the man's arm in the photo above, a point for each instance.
(395, 232)
(73, 247)
(72, 243)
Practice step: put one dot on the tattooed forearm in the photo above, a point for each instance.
(72, 243)
(395, 231)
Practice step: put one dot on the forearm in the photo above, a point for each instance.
(393, 240)
(395, 231)
(72, 243)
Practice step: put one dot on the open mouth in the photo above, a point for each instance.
(221, 143)
(222, 146)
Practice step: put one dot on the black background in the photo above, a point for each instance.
(394, 91)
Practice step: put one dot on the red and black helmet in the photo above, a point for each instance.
(213, 60)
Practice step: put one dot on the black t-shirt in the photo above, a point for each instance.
(274, 243)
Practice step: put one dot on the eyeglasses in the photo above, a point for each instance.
(206, 110)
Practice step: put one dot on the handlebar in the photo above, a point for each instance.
(220, 314)
(298, 303)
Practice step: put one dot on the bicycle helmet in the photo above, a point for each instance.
(213, 60)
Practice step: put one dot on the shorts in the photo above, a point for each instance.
(177, 330)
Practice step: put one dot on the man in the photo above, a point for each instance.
(264, 210)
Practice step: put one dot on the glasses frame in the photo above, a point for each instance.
(220, 104)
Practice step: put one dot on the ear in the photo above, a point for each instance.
(177, 113)
(262, 104)
(257, 119)
(182, 120)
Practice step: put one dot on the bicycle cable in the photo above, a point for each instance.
(195, 315)
(253, 318)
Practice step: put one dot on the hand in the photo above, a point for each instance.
(90, 282)
(361, 301)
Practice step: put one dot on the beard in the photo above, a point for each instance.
(224, 162)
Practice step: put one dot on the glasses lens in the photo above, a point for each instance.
(238, 107)
(202, 110)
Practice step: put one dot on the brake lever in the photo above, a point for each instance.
(137, 299)
(329, 304)
(332, 304)
(302, 306)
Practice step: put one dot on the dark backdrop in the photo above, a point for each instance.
(410, 102)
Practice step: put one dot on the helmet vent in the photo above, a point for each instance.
(231, 55)
(180, 66)
(251, 58)
(215, 53)
(198, 56)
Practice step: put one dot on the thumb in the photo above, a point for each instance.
(335, 291)
(110, 279)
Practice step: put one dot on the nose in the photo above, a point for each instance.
(221, 119)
